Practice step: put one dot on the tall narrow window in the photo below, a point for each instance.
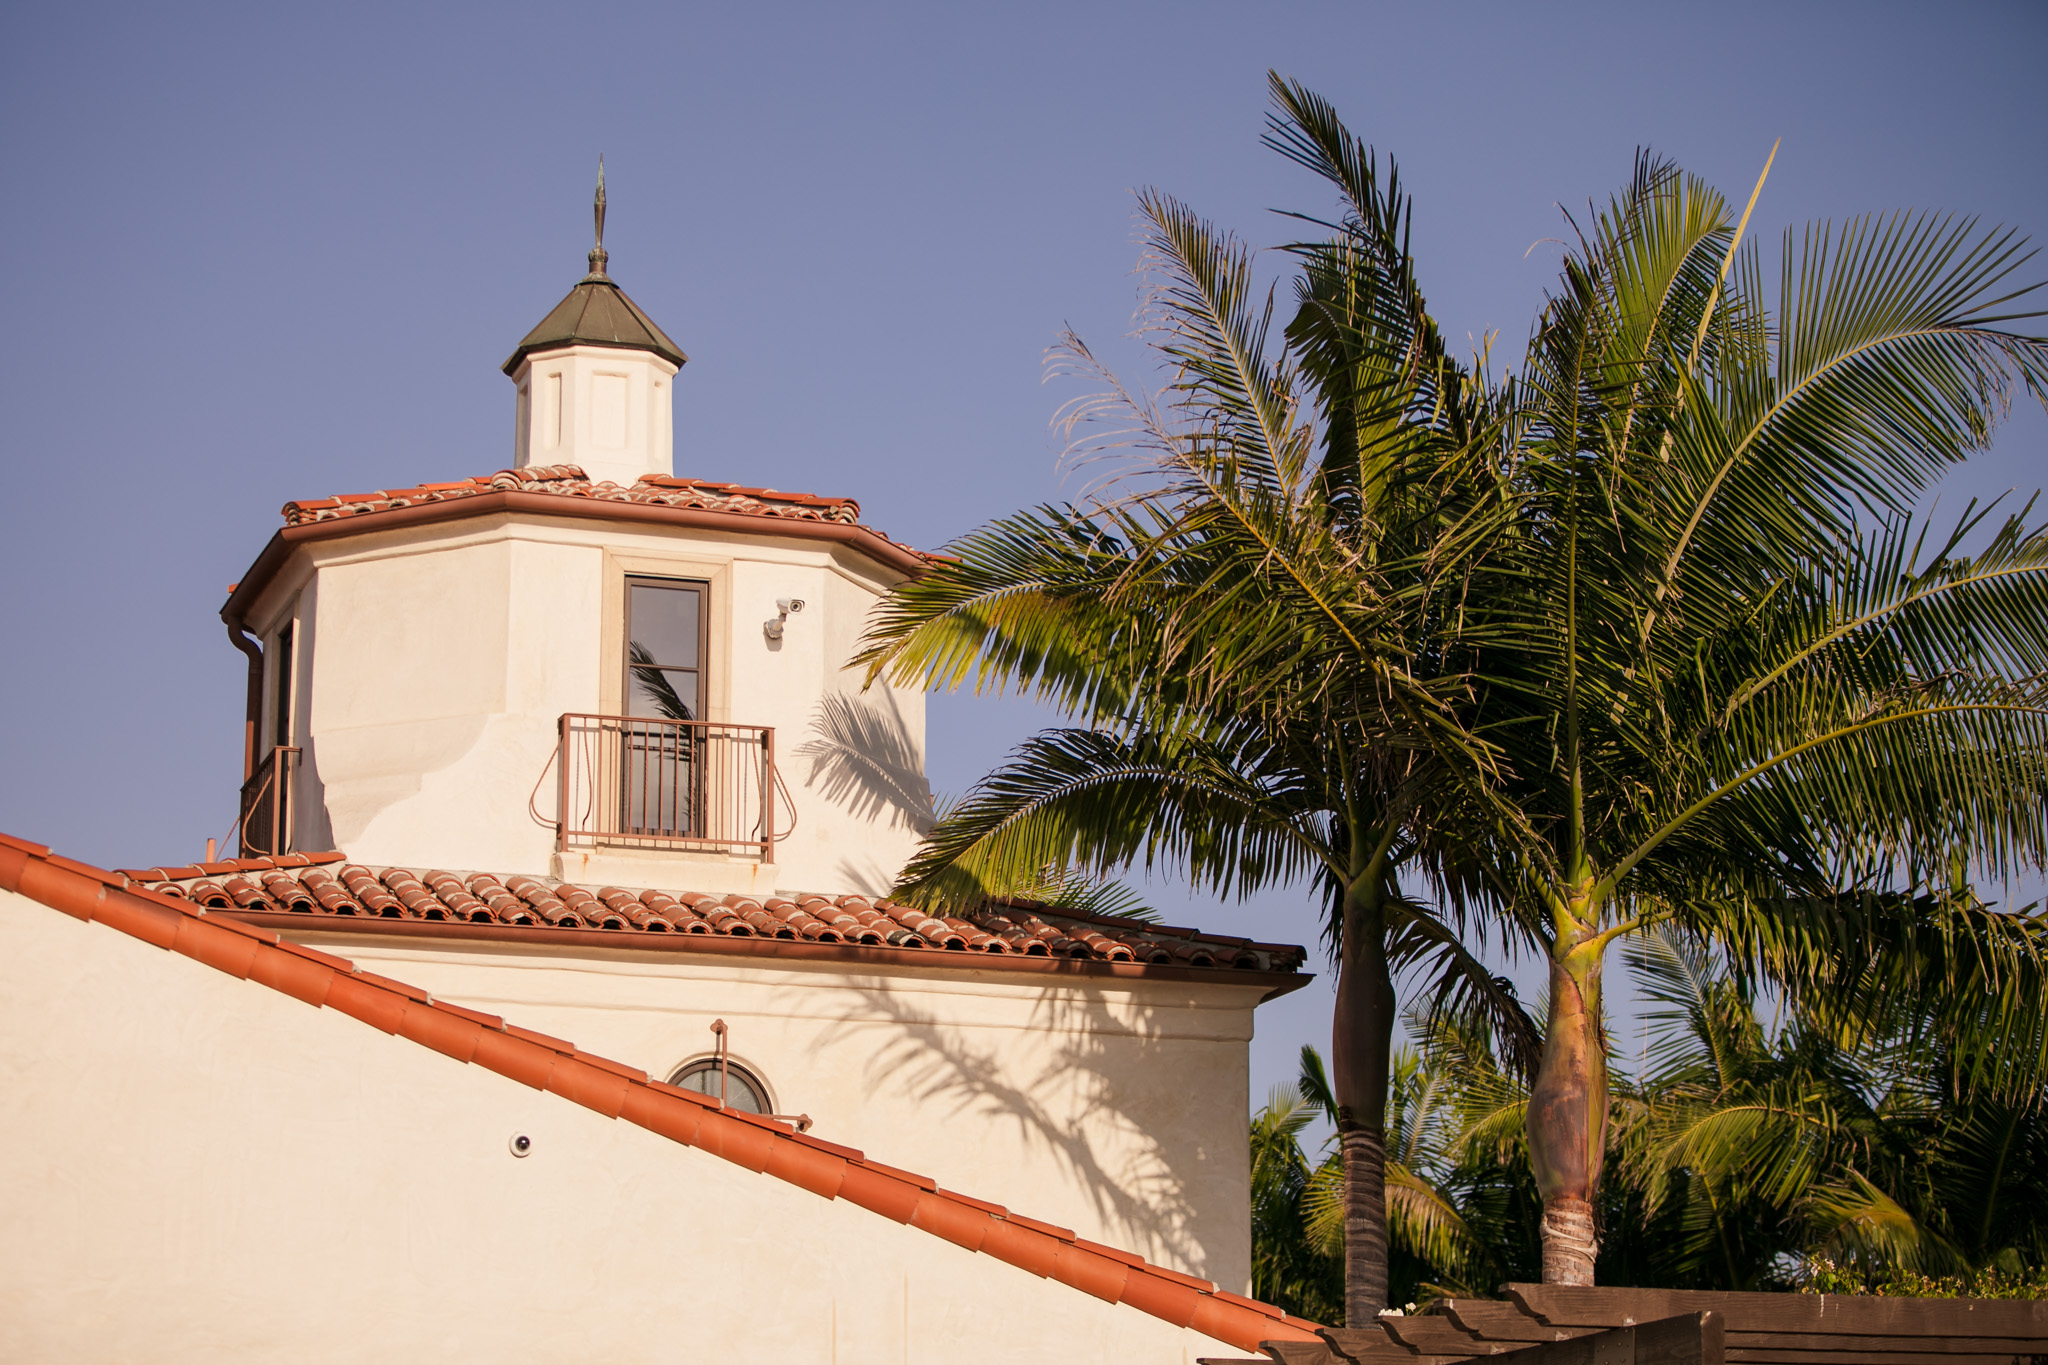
(281, 686)
(663, 740)
(664, 648)
(266, 821)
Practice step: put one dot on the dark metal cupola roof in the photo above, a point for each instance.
(597, 312)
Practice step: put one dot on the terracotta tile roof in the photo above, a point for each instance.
(310, 885)
(227, 867)
(566, 490)
(569, 481)
(763, 1145)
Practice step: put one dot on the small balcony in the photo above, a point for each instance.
(266, 819)
(640, 782)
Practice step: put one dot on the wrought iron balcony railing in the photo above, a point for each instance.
(640, 782)
(266, 818)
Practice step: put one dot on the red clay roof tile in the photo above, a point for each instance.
(569, 481)
(1161, 1298)
(229, 865)
(1025, 1247)
(822, 1173)
(317, 890)
(1090, 1273)
(133, 915)
(944, 1216)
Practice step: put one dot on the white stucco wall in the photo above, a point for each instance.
(436, 660)
(194, 1167)
(1113, 1107)
(605, 408)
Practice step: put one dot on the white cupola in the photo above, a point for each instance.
(595, 380)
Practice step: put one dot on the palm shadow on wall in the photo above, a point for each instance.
(1142, 1199)
(1070, 1102)
(861, 758)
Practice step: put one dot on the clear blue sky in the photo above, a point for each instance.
(270, 252)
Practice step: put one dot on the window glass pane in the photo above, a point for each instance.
(702, 1077)
(667, 693)
(659, 772)
(662, 622)
(281, 694)
(657, 781)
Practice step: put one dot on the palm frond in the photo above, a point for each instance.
(1098, 802)
(1861, 1221)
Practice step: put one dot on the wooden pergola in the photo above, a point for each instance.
(1553, 1325)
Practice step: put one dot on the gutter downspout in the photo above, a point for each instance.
(242, 640)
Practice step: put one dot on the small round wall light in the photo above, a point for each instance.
(521, 1145)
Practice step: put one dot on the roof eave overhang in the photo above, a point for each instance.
(526, 352)
(282, 543)
(1273, 984)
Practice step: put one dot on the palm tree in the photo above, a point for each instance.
(1256, 629)
(1856, 1135)
(1742, 679)
(1763, 1146)
(1459, 1195)
(1646, 636)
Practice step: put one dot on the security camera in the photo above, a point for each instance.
(772, 627)
(521, 1145)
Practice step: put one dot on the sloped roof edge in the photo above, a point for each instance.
(307, 890)
(492, 502)
(617, 1091)
(597, 313)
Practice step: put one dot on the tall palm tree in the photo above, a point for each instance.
(1459, 1196)
(1256, 630)
(1458, 1188)
(1742, 677)
(1647, 636)
(1759, 1144)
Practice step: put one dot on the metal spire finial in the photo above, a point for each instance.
(598, 256)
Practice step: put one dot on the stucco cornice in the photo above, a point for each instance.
(275, 554)
(1271, 984)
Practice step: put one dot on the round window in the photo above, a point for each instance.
(744, 1091)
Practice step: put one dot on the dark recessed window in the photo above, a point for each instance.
(744, 1090)
(281, 683)
(662, 773)
(665, 625)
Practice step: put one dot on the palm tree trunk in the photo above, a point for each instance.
(1568, 1116)
(1361, 1040)
(1365, 1223)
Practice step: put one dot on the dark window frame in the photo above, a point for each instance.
(736, 1075)
(700, 669)
(661, 768)
(283, 676)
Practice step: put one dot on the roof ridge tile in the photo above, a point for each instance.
(527, 1035)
